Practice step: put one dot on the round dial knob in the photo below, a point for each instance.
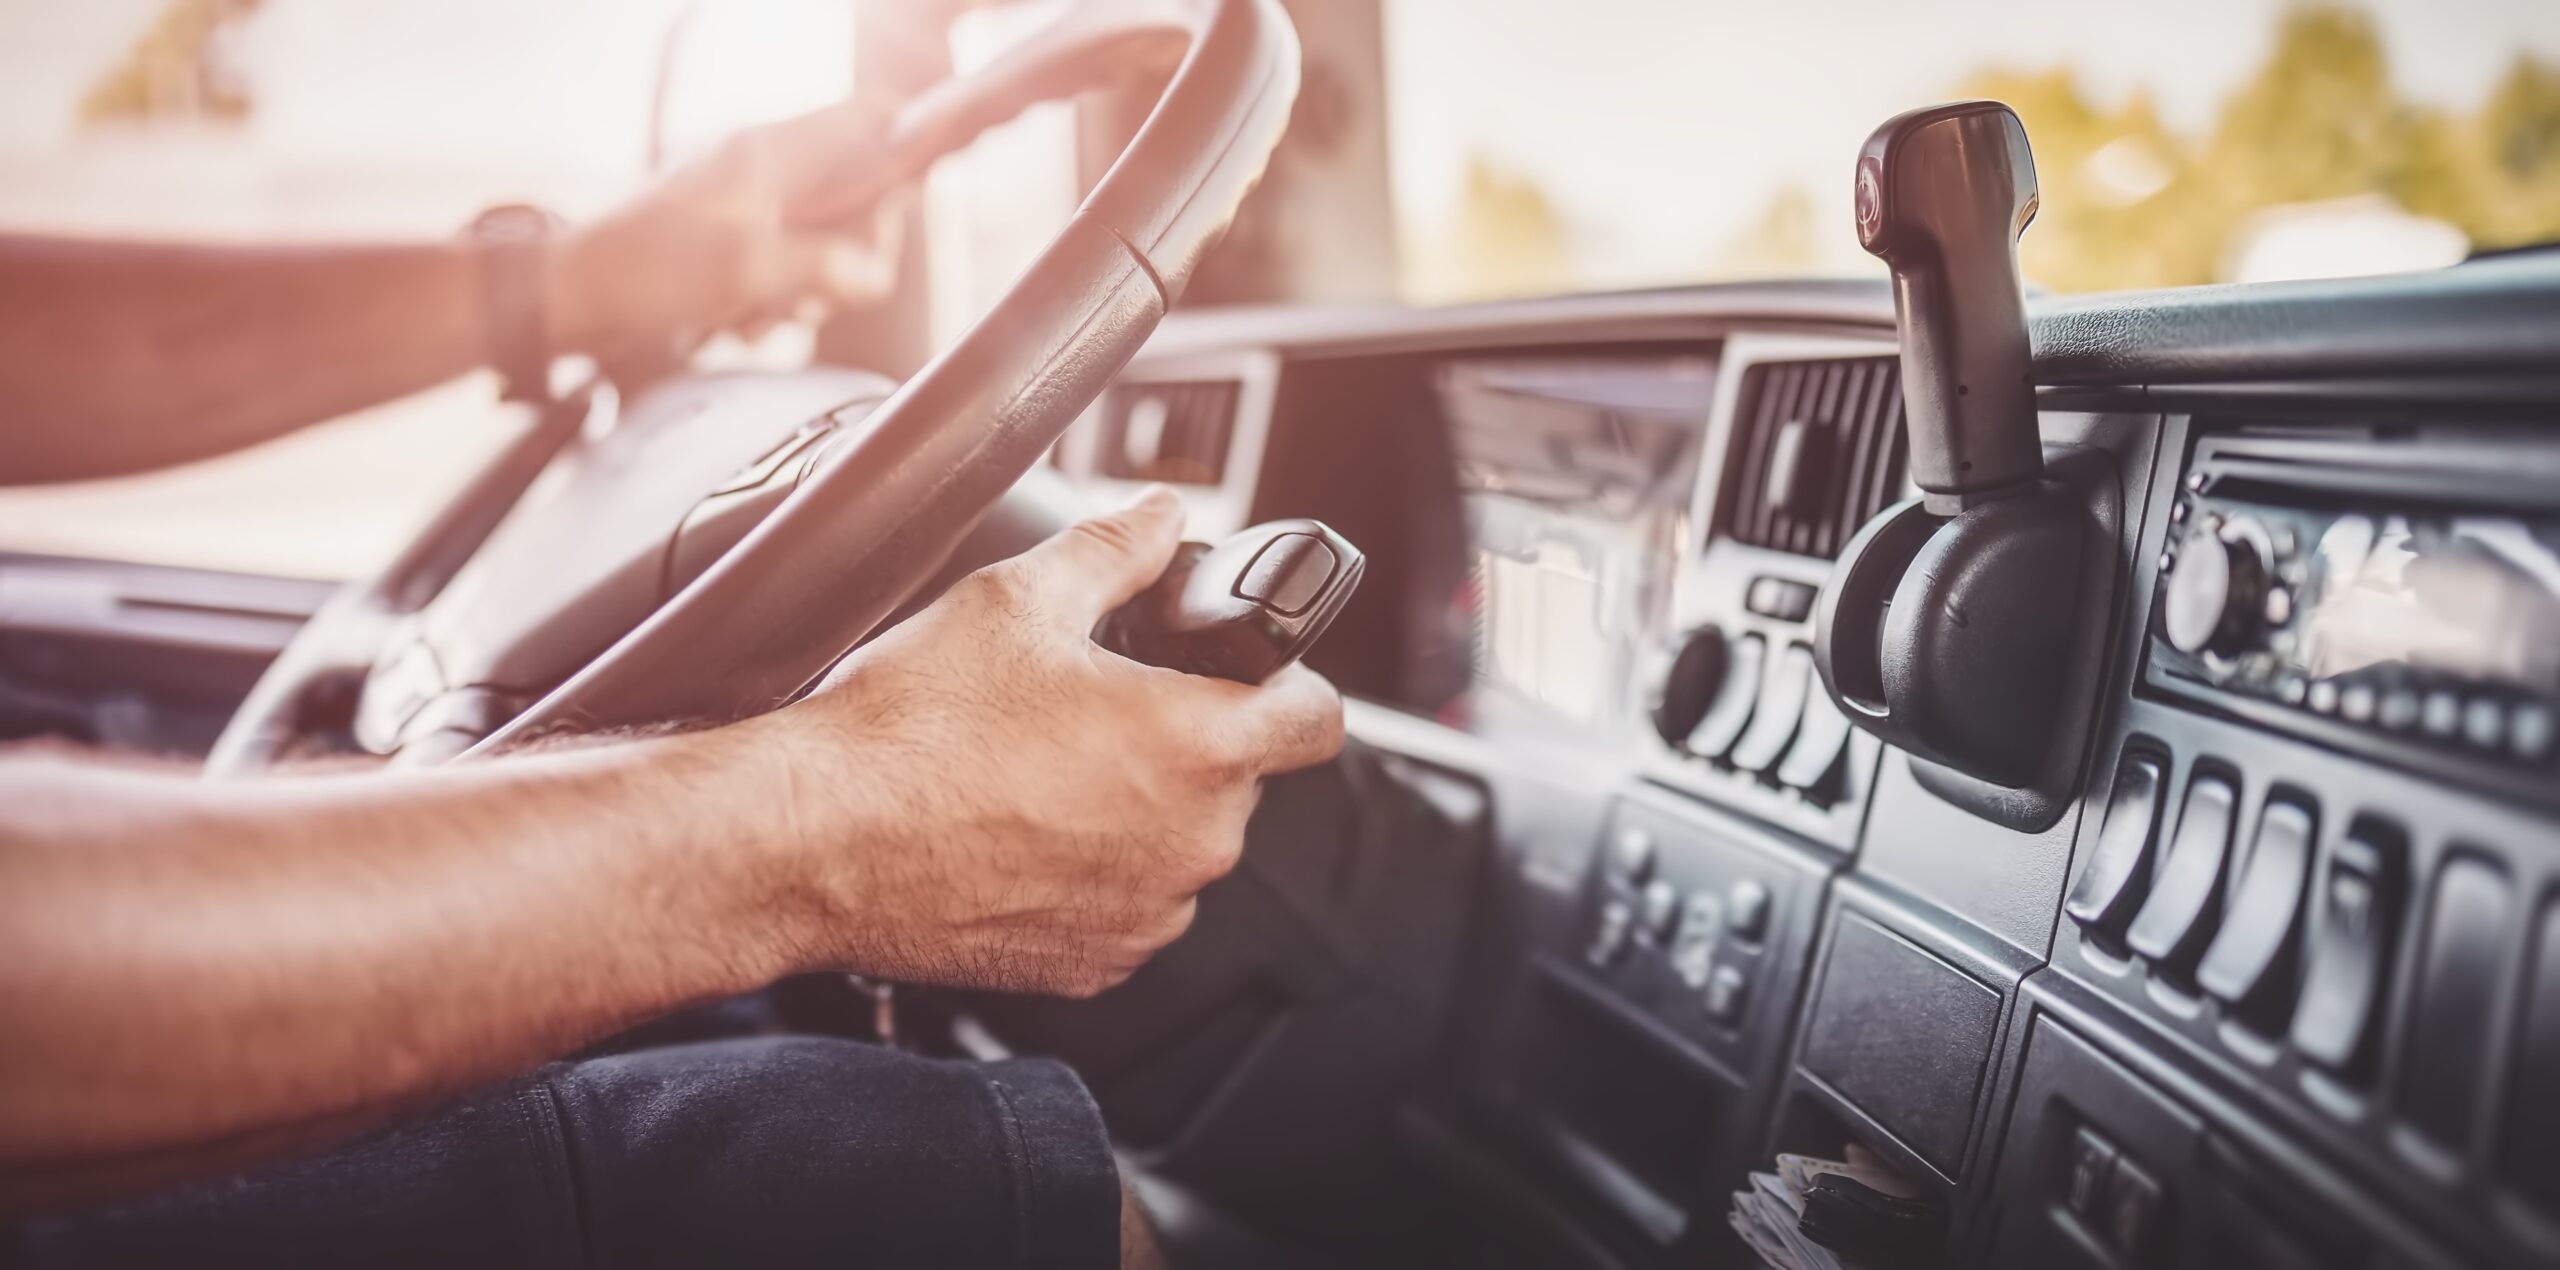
(1690, 686)
(2216, 598)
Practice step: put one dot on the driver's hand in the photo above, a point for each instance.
(724, 242)
(1021, 809)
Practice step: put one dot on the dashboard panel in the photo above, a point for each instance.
(2277, 984)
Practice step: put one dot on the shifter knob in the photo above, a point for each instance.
(1943, 193)
(1242, 609)
(1965, 626)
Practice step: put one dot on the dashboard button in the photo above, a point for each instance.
(2248, 965)
(1785, 599)
(2441, 716)
(2135, 1201)
(2470, 922)
(2484, 723)
(2179, 916)
(1820, 738)
(1661, 908)
(1781, 708)
(2092, 1159)
(1746, 909)
(2399, 710)
(2354, 914)
(1725, 719)
(1631, 853)
(1701, 925)
(2324, 696)
(2112, 885)
(1723, 997)
(2356, 703)
(1609, 942)
(2529, 731)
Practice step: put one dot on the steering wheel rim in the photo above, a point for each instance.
(885, 502)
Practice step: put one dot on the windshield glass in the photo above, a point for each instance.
(1548, 147)
(1441, 150)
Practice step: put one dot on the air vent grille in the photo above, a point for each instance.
(1175, 431)
(1817, 451)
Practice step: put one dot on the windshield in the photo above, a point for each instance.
(1441, 150)
(1548, 147)
(1526, 146)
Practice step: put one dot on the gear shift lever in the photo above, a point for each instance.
(1943, 194)
(1243, 609)
(1963, 626)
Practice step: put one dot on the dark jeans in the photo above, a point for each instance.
(775, 1152)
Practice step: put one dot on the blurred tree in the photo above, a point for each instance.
(1505, 238)
(2119, 208)
(1781, 242)
(186, 66)
(2127, 203)
(2518, 146)
(2318, 121)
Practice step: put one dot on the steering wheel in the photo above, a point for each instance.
(700, 561)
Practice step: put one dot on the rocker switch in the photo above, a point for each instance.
(2355, 909)
(2186, 898)
(2112, 885)
(2249, 966)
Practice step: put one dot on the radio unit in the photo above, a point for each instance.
(2383, 596)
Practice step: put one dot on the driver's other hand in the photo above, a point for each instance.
(1049, 809)
(725, 241)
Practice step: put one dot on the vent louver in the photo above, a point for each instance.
(1177, 432)
(1817, 451)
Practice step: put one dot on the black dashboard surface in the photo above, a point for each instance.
(1695, 953)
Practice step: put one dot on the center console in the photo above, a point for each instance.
(2311, 935)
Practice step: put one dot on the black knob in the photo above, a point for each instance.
(1690, 686)
(2217, 594)
(1242, 609)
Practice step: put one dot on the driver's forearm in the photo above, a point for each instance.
(184, 964)
(120, 357)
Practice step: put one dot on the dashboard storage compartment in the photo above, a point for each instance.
(1878, 994)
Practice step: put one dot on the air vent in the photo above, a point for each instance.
(1177, 432)
(1817, 451)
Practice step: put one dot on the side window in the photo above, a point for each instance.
(285, 120)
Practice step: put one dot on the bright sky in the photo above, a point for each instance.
(1660, 126)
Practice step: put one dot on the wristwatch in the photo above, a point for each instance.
(508, 243)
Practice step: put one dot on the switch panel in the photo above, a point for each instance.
(2250, 964)
(2355, 912)
(2179, 917)
(2112, 885)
